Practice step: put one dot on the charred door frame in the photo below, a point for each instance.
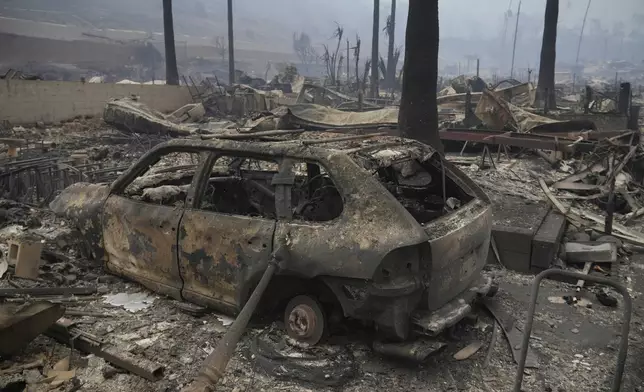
(241, 263)
(153, 277)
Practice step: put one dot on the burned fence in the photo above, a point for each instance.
(37, 181)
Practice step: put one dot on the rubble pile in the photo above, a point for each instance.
(566, 194)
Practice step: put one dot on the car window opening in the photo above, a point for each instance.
(314, 196)
(241, 186)
(166, 182)
(422, 188)
(244, 186)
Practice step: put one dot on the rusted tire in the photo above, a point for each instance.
(305, 320)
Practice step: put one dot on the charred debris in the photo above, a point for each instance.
(521, 192)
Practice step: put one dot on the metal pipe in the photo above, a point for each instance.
(13, 292)
(623, 345)
(215, 364)
(342, 138)
(252, 135)
(374, 146)
(610, 209)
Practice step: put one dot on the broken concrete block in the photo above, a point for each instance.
(610, 238)
(514, 225)
(25, 254)
(193, 112)
(545, 243)
(579, 252)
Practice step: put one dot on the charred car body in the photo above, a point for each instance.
(381, 230)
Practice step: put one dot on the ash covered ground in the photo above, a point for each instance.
(576, 344)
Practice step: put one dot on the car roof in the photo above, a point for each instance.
(376, 147)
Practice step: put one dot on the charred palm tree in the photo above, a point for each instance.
(546, 85)
(374, 50)
(390, 30)
(171, 72)
(418, 116)
(231, 44)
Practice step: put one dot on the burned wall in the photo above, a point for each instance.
(18, 50)
(30, 101)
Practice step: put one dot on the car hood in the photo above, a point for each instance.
(82, 203)
(75, 200)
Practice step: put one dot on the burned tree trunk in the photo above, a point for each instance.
(171, 72)
(546, 85)
(418, 117)
(231, 44)
(374, 49)
(391, 65)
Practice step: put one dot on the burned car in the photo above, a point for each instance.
(379, 229)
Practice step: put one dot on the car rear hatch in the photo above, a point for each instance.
(454, 212)
(457, 252)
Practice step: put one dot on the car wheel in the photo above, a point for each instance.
(304, 320)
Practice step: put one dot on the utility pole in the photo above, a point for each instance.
(581, 35)
(374, 49)
(231, 45)
(514, 45)
(506, 20)
(171, 72)
(505, 25)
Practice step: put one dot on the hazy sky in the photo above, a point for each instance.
(486, 14)
(466, 26)
(458, 18)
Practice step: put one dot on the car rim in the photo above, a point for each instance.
(302, 321)
(305, 320)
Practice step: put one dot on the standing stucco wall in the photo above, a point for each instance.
(30, 101)
(18, 50)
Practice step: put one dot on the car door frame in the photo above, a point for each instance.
(245, 274)
(163, 278)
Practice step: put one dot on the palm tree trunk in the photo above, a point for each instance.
(231, 45)
(391, 65)
(171, 72)
(418, 116)
(374, 49)
(546, 85)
